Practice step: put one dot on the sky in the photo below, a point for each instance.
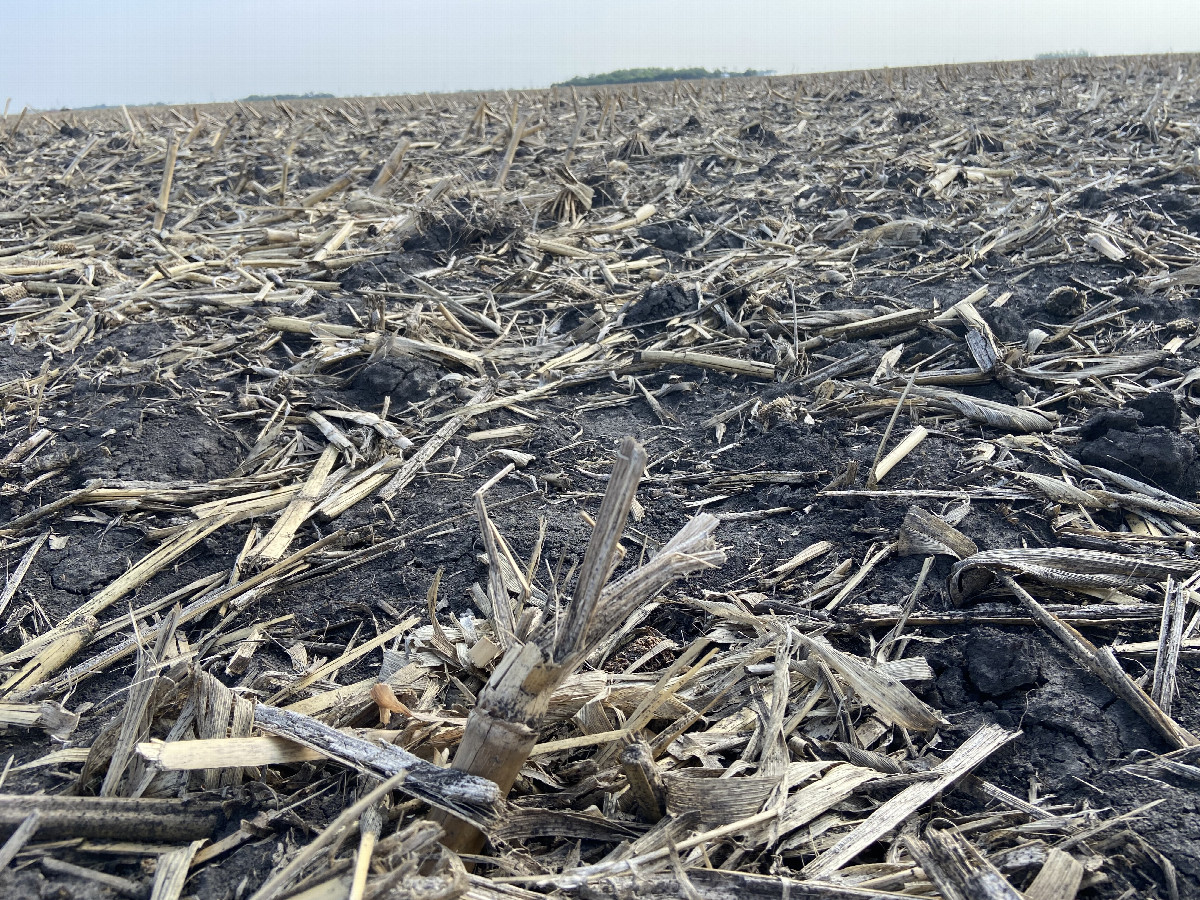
(58, 53)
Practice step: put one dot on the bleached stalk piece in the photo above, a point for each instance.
(172, 872)
(1170, 639)
(514, 140)
(957, 868)
(978, 747)
(164, 191)
(807, 555)
(746, 367)
(1059, 878)
(418, 460)
(390, 167)
(272, 548)
(18, 574)
(901, 450)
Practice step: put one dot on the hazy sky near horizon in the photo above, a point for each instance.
(74, 53)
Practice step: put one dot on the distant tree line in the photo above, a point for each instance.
(1063, 54)
(636, 76)
(112, 106)
(309, 96)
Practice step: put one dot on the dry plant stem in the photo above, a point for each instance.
(15, 526)
(601, 551)
(216, 753)
(855, 580)
(496, 742)
(172, 872)
(164, 193)
(725, 884)
(872, 478)
(957, 869)
(852, 363)
(974, 751)
(745, 367)
(645, 781)
(346, 658)
(413, 466)
(1104, 665)
(807, 555)
(518, 132)
(53, 657)
(503, 617)
(279, 881)
(501, 730)
(893, 459)
(151, 821)
(465, 794)
(1059, 878)
(122, 886)
(137, 708)
(1087, 834)
(275, 544)
(19, 838)
(1170, 639)
(368, 829)
(48, 715)
(390, 168)
(690, 550)
(25, 447)
(14, 580)
(894, 702)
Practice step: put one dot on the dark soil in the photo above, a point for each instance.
(658, 305)
(673, 236)
(1157, 455)
(405, 380)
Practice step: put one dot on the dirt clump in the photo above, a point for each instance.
(404, 379)
(1158, 408)
(658, 304)
(675, 237)
(459, 228)
(83, 570)
(1156, 455)
(999, 664)
(392, 269)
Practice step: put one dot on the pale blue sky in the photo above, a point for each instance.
(73, 53)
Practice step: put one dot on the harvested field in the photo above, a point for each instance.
(774, 487)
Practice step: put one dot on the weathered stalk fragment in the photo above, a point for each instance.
(502, 728)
